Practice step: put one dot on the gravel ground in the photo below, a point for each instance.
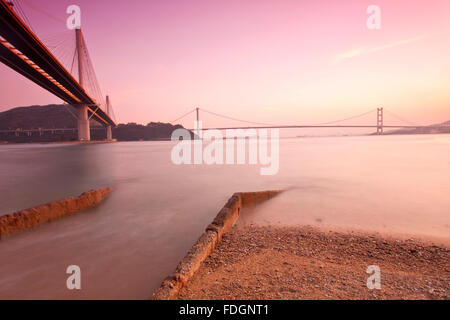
(260, 262)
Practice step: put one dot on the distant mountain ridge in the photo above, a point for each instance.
(56, 116)
(34, 117)
(423, 130)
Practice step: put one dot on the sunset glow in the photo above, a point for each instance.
(293, 62)
(246, 158)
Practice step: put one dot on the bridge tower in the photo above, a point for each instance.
(83, 119)
(108, 112)
(379, 120)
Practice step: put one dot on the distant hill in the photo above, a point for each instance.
(424, 130)
(152, 131)
(63, 116)
(33, 117)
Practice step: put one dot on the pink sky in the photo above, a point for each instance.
(268, 61)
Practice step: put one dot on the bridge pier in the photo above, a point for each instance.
(84, 133)
(108, 112)
(108, 132)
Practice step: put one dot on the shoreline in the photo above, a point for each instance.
(425, 239)
(276, 262)
(3, 142)
(59, 142)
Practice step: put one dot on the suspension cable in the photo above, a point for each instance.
(184, 115)
(345, 119)
(400, 118)
(235, 119)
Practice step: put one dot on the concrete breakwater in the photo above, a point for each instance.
(25, 219)
(208, 241)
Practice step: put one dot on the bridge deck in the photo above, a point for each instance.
(21, 50)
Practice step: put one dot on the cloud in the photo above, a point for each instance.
(366, 50)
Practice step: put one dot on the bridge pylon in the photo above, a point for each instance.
(84, 130)
(108, 112)
(379, 120)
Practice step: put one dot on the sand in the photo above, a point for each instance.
(267, 262)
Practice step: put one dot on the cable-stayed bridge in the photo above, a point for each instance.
(24, 52)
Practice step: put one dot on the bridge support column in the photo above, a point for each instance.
(108, 132)
(83, 124)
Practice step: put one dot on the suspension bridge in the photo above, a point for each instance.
(24, 52)
(379, 125)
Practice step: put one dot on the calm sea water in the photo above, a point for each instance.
(127, 245)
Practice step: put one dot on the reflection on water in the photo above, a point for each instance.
(127, 245)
